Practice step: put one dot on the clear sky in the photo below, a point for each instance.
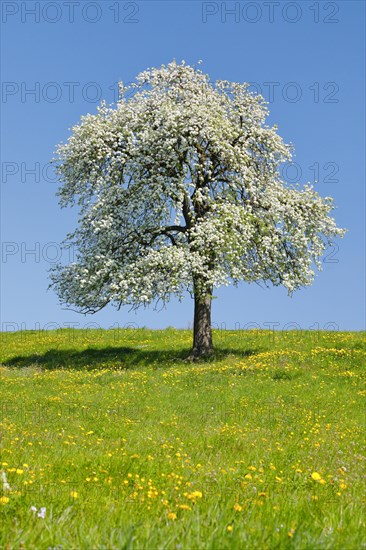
(60, 58)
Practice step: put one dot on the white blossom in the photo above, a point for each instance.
(180, 182)
(41, 513)
(6, 486)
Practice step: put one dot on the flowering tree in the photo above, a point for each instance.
(178, 188)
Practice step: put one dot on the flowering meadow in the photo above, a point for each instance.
(112, 440)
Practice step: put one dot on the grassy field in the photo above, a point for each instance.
(127, 445)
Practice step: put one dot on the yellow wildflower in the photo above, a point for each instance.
(194, 495)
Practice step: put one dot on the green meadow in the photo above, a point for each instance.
(128, 446)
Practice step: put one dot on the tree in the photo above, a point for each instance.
(179, 189)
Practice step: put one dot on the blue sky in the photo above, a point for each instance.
(307, 59)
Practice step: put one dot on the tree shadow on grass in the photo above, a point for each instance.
(117, 357)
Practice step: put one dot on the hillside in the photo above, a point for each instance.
(127, 445)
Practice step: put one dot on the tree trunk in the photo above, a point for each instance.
(202, 331)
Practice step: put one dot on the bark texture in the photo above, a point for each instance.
(202, 331)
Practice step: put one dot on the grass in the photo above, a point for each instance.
(128, 446)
